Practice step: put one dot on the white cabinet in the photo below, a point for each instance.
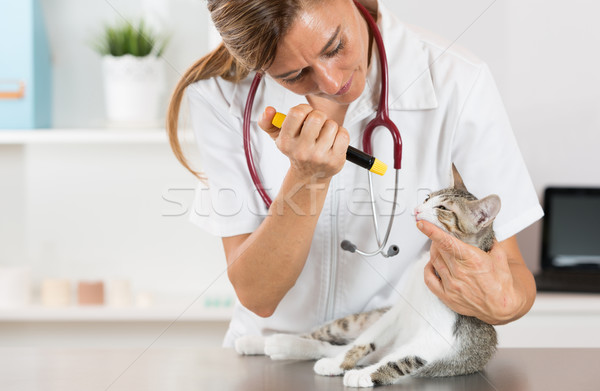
(556, 320)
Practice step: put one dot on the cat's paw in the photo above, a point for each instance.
(328, 367)
(284, 347)
(358, 378)
(250, 345)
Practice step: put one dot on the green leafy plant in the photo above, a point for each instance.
(126, 38)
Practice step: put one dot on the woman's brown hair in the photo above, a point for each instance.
(250, 31)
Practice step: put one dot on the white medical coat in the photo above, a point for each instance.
(447, 108)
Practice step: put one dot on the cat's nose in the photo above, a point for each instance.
(416, 213)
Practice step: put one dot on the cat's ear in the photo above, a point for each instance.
(485, 210)
(457, 181)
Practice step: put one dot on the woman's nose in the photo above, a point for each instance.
(328, 79)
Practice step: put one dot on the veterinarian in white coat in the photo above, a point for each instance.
(286, 263)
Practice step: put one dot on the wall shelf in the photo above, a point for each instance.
(164, 313)
(88, 136)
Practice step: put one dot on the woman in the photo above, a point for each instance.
(321, 68)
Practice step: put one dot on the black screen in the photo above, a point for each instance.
(572, 228)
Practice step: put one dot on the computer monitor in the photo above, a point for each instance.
(571, 229)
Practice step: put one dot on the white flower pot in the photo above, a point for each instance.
(133, 88)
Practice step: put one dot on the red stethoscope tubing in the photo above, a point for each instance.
(247, 149)
(382, 117)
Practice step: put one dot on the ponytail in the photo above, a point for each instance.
(252, 31)
(218, 63)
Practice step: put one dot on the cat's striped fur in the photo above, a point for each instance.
(344, 330)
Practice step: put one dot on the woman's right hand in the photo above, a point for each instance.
(315, 145)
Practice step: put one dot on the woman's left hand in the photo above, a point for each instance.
(470, 281)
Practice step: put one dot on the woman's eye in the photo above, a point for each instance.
(335, 51)
(330, 54)
(441, 207)
(295, 78)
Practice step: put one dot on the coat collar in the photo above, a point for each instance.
(410, 81)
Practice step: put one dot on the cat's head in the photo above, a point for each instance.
(460, 213)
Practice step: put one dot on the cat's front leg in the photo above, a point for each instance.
(376, 336)
(294, 347)
(387, 371)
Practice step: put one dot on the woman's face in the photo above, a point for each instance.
(324, 54)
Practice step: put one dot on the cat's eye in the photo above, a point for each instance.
(427, 198)
(441, 207)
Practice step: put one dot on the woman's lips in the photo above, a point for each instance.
(346, 86)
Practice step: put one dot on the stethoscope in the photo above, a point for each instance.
(381, 119)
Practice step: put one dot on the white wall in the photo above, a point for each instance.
(544, 56)
(554, 90)
(102, 211)
(72, 25)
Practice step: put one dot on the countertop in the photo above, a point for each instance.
(181, 369)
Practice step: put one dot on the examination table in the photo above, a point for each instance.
(180, 369)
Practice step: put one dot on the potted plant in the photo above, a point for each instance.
(133, 73)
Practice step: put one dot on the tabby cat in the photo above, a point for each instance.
(418, 336)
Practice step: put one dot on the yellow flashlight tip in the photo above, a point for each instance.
(278, 119)
(378, 167)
